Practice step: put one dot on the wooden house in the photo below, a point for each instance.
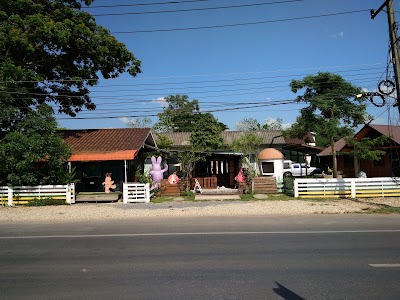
(388, 165)
(224, 163)
(96, 152)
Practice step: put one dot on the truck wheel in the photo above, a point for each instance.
(287, 174)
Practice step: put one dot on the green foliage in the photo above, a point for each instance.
(288, 186)
(188, 159)
(247, 144)
(182, 115)
(51, 51)
(33, 154)
(250, 124)
(332, 109)
(144, 122)
(363, 149)
(178, 115)
(163, 143)
(206, 133)
(143, 178)
(45, 202)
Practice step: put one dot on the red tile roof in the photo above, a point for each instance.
(105, 144)
(390, 130)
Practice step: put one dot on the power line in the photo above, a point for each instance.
(144, 4)
(206, 75)
(173, 91)
(181, 87)
(195, 9)
(240, 24)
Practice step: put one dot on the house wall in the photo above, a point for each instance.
(380, 168)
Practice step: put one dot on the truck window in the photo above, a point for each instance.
(296, 166)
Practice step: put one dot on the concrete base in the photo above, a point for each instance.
(216, 197)
(98, 197)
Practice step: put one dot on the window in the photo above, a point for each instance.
(267, 167)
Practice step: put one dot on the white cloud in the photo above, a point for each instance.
(160, 100)
(124, 120)
(286, 125)
(338, 35)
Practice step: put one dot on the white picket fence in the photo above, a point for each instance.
(347, 187)
(136, 192)
(24, 194)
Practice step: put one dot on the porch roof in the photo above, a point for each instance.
(117, 155)
(106, 144)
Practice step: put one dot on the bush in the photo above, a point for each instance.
(45, 201)
(288, 186)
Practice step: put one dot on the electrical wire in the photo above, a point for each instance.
(196, 9)
(240, 24)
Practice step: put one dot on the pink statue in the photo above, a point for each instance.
(108, 183)
(240, 177)
(156, 172)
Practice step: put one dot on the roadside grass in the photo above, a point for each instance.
(45, 202)
(162, 199)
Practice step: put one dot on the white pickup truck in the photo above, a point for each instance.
(294, 169)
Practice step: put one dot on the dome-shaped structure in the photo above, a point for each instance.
(270, 153)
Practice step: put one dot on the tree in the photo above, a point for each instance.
(33, 153)
(332, 108)
(144, 122)
(250, 124)
(181, 115)
(178, 115)
(52, 52)
(188, 159)
(206, 133)
(363, 150)
(272, 124)
(248, 145)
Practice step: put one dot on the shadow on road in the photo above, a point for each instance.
(285, 293)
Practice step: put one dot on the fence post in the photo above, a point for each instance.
(10, 196)
(125, 193)
(353, 188)
(147, 192)
(72, 191)
(67, 194)
(296, 188)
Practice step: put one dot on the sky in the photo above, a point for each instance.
(237, 57)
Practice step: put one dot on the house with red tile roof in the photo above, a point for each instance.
(96, 152)
(389, 165)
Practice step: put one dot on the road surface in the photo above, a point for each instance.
(274, 257)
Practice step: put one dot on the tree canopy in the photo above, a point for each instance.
(183, 115)
(332, 109)
(250, 124)
(33, 153)
(52, 52)
(206, 134)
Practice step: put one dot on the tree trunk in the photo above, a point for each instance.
(334, 159)
(356, 166)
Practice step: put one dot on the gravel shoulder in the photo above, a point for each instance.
(113, 211)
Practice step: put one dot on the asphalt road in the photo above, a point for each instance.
(277, 257)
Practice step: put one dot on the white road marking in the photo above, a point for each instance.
(385, 265)
(192, 233)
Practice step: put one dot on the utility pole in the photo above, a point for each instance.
(393, 43)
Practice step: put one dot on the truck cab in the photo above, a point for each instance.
(294, 169)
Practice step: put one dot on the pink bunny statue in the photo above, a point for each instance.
(156, 172)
